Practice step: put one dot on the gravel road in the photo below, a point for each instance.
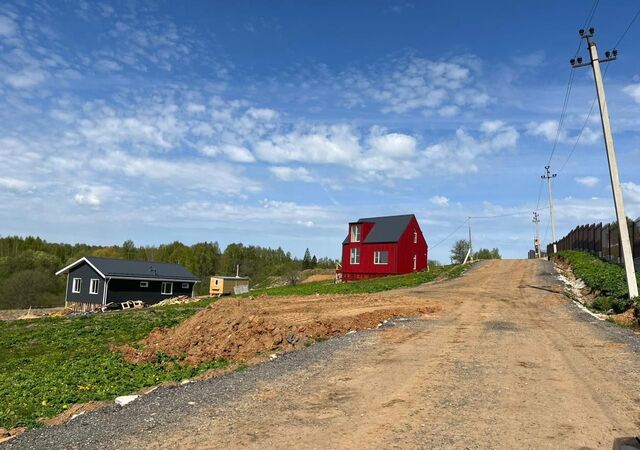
(507, 363)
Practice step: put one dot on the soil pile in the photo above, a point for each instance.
(238, 328)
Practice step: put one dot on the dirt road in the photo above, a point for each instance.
(506, 363)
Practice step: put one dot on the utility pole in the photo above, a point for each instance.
(611, 154)
(470, 246)
(536, 240)
(549, 176)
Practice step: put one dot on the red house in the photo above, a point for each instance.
(379, 246)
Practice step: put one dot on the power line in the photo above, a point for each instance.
(449, 235)
(624, 34)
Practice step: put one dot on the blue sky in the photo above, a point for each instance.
(276, 123)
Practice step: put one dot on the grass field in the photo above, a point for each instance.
(365, 286)
(47, 365)
(606, 278)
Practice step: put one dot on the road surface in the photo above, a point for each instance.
(507, 363)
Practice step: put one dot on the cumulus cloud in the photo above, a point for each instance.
(633, 90)
(588, 181)
(26, 78)
(14, 184)
(548, 130)
(462, 153)
(631, 192)
(285, 173)
(439, 200)
(91, 195)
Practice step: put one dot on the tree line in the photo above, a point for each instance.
(28, 265)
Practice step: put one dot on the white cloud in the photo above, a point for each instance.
(633, 90)
(412, 83)
(588, 181)
(462, 154)
(393, 145)
(439, 200)
(14, 184)
(631, 192)
(238, 154)
(190, 174)
(334, 144)
(26, 78)
(92, 195)
(285, 173)
(548, 130)
(8, 27)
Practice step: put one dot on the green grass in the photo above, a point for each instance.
(607, 278)
(364, 286)
(46, 365)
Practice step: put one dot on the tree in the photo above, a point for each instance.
(306, 261)
(314, 262)
(459, 251)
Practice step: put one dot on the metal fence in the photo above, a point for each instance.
(603, 240)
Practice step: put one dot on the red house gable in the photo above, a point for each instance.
(379, 246)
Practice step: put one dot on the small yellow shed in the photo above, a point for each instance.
(228, 285)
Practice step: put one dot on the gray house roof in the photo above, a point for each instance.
(385, 229)
(124, 268)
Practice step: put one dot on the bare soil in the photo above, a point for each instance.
(506, 363)
(239, 328)
(14, 314)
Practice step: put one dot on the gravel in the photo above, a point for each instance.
(168, 405)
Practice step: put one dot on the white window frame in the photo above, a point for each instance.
(356, 233)
(415, 237)
(185, 285)
(144, 284)
(354, 255)
(73, 286)
(377, 257)
(415, 261)
(97, 286)
(163, 290)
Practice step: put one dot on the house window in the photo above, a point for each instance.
(355, 233)
(167, 288)
(415, 237)
(217, 282)
(381, 257)
(355, 255)
(415, 262)
(185, 285)
(144, 284)
(94, 285)
(77, 284)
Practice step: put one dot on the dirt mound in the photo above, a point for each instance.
(238, 328)
(319, 277)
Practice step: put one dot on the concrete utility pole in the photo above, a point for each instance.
(536, 240)
(549, 176)
(470, 246)
(611, 154)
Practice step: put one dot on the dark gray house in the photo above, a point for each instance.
(93, 282)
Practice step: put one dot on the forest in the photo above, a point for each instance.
(28, 265)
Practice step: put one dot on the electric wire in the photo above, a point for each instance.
(449, 235)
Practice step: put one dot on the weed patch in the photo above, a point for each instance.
(47, 365)
(371, 285)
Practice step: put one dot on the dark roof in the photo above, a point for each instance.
(136, 269)
(385, 229)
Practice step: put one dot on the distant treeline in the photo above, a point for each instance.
(28, 265)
